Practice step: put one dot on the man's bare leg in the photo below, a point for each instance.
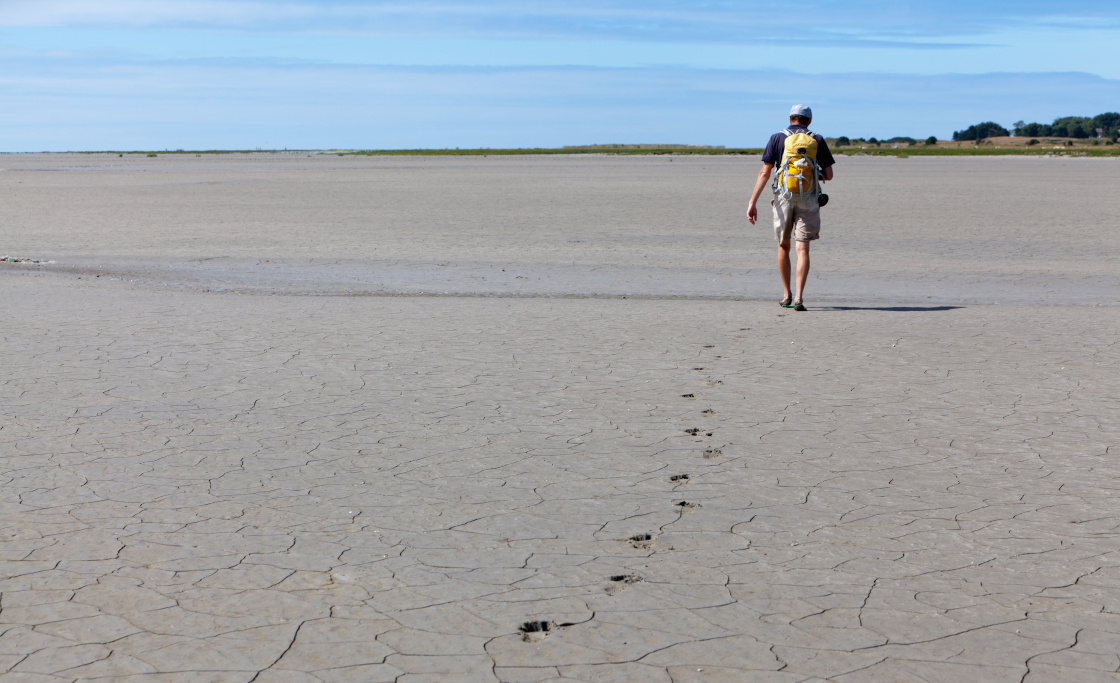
(802, 269)
(783, 267)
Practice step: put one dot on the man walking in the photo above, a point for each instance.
(795, 214)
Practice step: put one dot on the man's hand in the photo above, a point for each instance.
(759, 184)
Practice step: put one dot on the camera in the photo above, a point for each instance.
(822, 199)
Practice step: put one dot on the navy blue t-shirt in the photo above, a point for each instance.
(777, 147)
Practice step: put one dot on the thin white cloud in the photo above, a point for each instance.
(242, 13)
(195, 106)
(132, 13)
(857, 23)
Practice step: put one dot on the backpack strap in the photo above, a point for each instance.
(781, 163)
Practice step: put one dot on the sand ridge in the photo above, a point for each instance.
(934, 230)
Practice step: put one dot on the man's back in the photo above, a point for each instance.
(776, 146)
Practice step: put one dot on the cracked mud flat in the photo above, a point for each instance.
(204, 487)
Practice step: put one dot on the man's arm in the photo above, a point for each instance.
(759, 185)
(824, 158)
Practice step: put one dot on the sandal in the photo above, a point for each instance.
(798, 306)
(784, 303)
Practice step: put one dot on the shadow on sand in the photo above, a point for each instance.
(892, 309)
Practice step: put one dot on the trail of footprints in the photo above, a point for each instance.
(535, 631)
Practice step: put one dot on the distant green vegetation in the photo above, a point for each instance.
(988, 129)
(1101, 126)
(970, 151)
(1077, 135)
(1104, 128)
(643, 149)
(652, 149)
(964, 144)
(902, 148)
(1105, 125)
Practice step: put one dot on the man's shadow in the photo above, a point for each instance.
(892, 309)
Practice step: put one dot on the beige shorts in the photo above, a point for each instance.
(801, 217)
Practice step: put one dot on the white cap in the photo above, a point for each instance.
(801, 110)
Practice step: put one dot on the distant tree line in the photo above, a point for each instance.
(988, 129)
(1105, 125)
(844, 141)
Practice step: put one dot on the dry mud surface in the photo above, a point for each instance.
(303, 427)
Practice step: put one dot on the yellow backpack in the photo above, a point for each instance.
(799, 174)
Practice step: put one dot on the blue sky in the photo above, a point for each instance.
(301, 74)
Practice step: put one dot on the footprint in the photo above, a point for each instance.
(694, 431)
(709, 411)
(688, 395)
(535, 631)
(697, 368)
(14, 259)
(712, 453)
(679, 477)
(686, 506)
(642, 541)
(622, 581)
(709, 346)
